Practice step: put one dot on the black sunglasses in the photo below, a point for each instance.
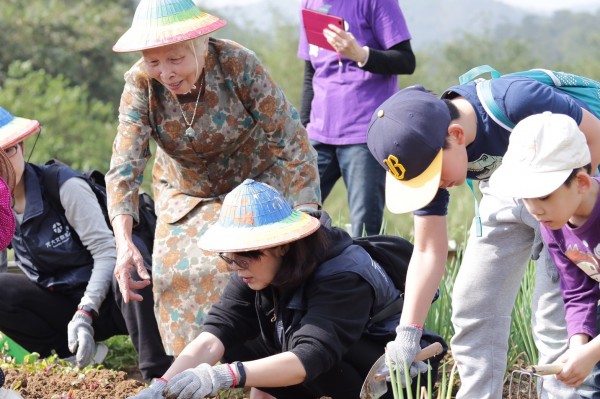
(242, 264)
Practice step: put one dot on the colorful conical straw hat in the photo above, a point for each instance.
(255, 216)
(13, 129)
(158, 23)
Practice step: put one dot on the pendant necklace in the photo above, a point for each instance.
(189, 132)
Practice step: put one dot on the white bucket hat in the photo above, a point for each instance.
(542, 152)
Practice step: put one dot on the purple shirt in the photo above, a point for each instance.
(345, 99)
(571, 249)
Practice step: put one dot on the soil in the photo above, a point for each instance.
(54, 383)
(57, 382)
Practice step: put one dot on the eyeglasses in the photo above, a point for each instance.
(11, 151)
(241, 263)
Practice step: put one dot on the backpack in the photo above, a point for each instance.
(581, 88)
(393, 254)
(146, 226)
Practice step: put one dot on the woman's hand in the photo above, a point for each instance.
(345, 44)
(199, 382)
(128, 258)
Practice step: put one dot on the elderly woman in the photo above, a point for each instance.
(295, 320)
(217, 118)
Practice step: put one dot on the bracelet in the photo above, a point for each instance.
(233, 374)
(88, 310)
(162, 379)
(418, 327)
(242, 373)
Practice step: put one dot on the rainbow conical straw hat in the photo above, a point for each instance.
(13, 129)
(158, 23)
(255, 216)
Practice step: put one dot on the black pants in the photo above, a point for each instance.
(342, 381)
(37, 319)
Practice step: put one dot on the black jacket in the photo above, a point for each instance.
(321, 319)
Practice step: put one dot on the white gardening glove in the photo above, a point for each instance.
(154, 391)
(81, 338)
(196, 383)
(404, 348)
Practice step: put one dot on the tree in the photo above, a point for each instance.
(72, 38)
(76, 128)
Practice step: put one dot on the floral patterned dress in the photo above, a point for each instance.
(244, 128)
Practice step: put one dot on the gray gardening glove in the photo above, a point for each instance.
(154, 391)
(196, 383)
(404, 349)
(81, 338)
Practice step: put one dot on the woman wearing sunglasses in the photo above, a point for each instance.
(293, 321)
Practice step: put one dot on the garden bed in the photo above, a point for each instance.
(53, 380)
(61, 382)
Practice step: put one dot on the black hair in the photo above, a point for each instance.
(301, 259)
(454, 114)
(587, 168)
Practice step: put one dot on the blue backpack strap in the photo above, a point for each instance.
(476, 72)
(477, 221)
(484, 92)
(485, 95)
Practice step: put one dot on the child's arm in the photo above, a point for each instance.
(579, 360)
(426, 268)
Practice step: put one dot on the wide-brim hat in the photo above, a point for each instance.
(13, 129)
(543, 151)
(159, 23)
(406, 136)
(256, 216)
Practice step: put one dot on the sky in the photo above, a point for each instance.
(550, 5)
(533, 5)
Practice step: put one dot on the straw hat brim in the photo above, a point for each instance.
(241, 239)
(17, 130)
(139, 38)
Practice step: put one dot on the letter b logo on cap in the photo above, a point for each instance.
(396, 168)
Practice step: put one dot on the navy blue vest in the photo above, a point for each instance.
(46, 247)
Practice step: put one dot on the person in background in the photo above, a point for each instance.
(429, 145)
(217, 118)
(338, 97)
(548, 165)
(7, 219)
(66, 298)
(295, 318)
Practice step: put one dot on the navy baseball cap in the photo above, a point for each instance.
(406, 135)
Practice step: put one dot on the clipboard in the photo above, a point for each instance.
(314, 23)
